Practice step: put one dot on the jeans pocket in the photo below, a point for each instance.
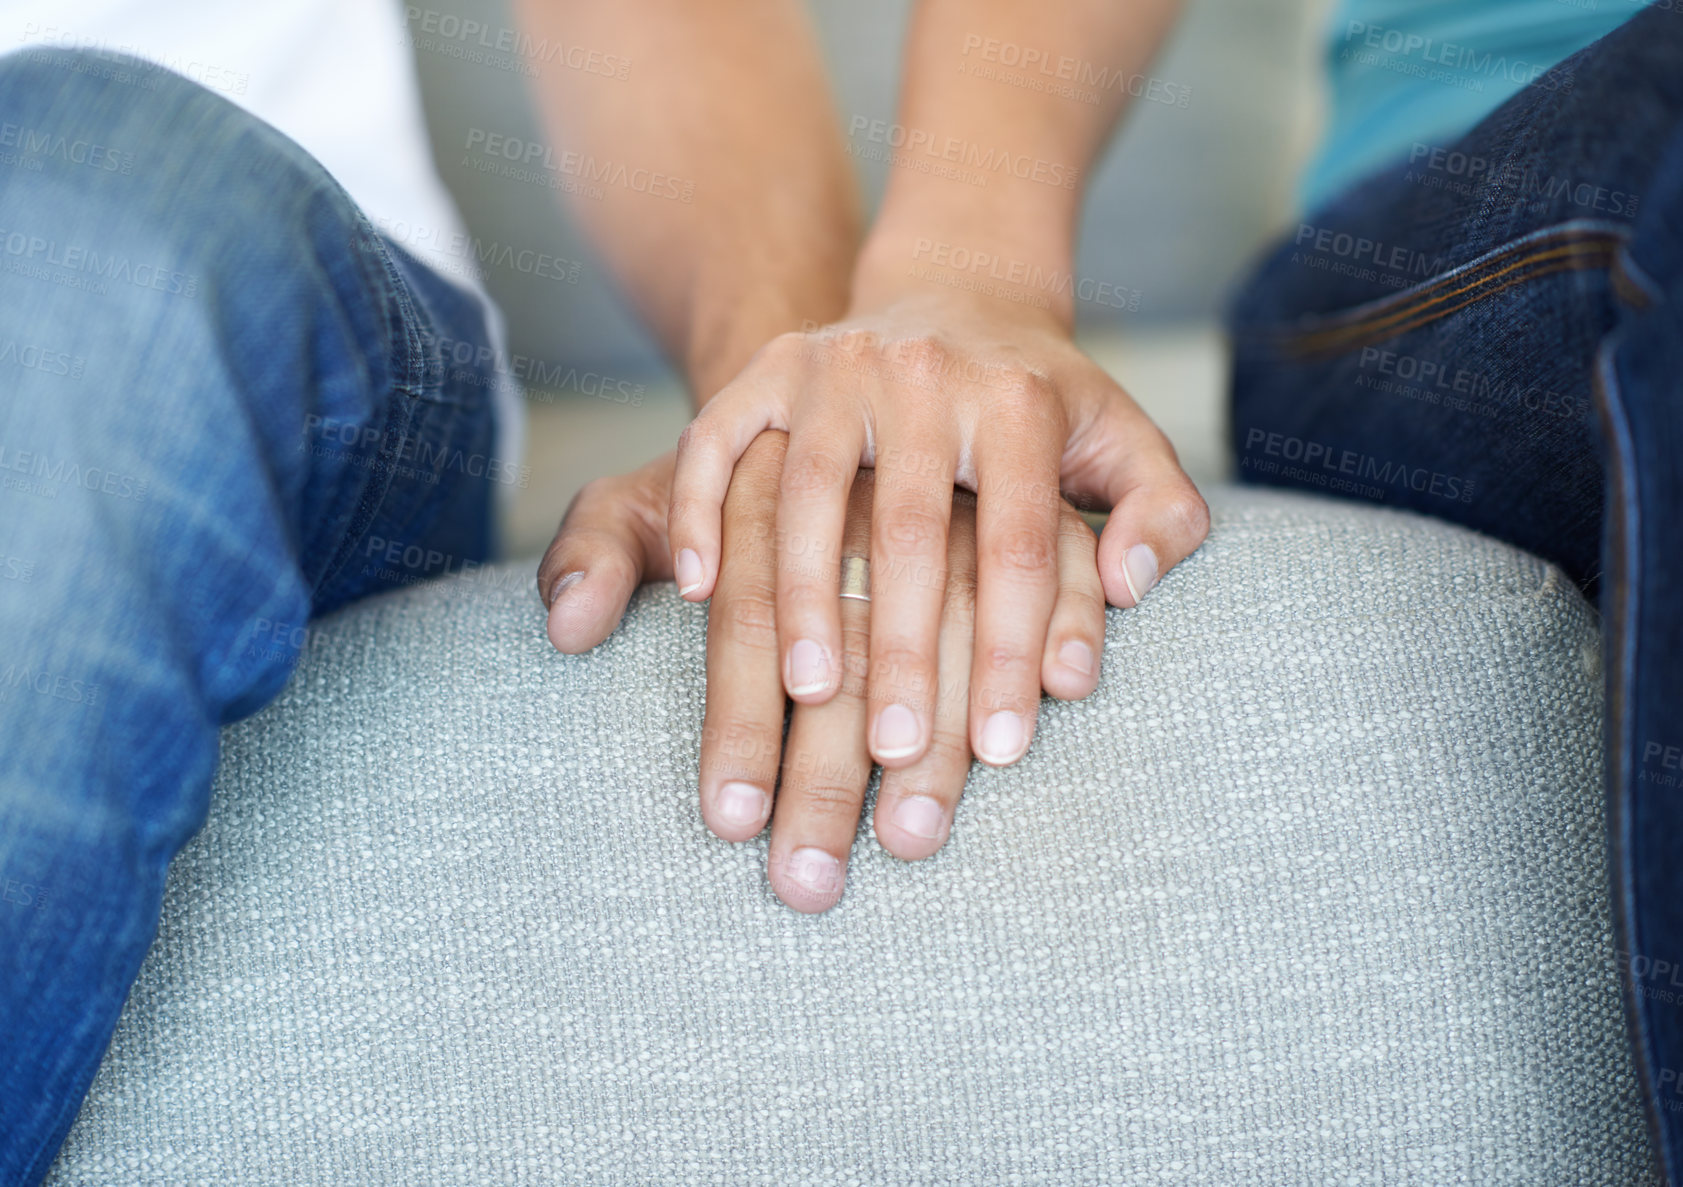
(1582, 245)
(1467, 396)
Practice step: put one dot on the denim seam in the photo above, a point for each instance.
(1632, 282)
(1584, 239)
(1568, 259)
(1622, 594)
(1378, 305)
(408, 362)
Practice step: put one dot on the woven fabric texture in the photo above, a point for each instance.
(1312, 890)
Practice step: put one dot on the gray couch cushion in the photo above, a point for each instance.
(1312, 890)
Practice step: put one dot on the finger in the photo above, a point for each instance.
(708, 450)
(909, 515)
(1016, 586)
(604, 548)
(915, 804)
(1069, 669)
(1157, 517)
(826, 765)
(742, 728)
(818, 472)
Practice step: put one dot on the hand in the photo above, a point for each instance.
(934, 388)
(609, 536)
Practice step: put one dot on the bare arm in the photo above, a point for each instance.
(956, 364)
(731, 103)
(953, 93)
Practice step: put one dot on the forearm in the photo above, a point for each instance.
(731, 101)
(1034, 148)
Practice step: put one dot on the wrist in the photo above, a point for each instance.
(978, 255)
(728, 324)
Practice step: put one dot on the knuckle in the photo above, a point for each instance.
(1187, 516)
(1022, 396)
(922, 359)
(857, 340)
(910, 529)
(1022, 550)
(1009, 661)
(750, 616)
(1085, 603)
(597, 488)
(684, 508)
(697, 435)
(823, 800)
(811, 473)
(791, 346)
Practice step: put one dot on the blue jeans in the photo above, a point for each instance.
(1491, 331)
(226, 407)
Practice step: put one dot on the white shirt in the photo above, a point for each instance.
(334, 75)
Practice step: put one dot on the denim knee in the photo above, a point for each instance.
(111, 143)
(144, 205)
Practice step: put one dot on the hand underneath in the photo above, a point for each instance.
(812, 788)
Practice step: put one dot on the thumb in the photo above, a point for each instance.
(1157, 517)
(612, 539)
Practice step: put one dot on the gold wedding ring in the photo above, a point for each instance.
(856, 578)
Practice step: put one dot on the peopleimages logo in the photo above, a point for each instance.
(1359, 252)
(1443, 61)
(1026, 278)
(1346, 469)
(446, 30)
(1459, 388)
(957, 151)
(37, 142)
(33, 254)
(33, 472)
(1670, 1089)
(49, 684)
(533, 160)
(1076, 73)
(1463, 173)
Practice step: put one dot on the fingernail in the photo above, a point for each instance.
(809, 668)
(562, 586)
(1076, 655)
(921, 816)
(1004, 738)
(896, 732)
(688, 570)
(740, 804)
(1139, 570)
(815, 870)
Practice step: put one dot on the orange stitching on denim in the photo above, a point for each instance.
(1574, 257)
(1576, 239)
(1483, 278)
(1563, 266)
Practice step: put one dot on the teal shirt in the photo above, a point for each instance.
(1403, 73)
